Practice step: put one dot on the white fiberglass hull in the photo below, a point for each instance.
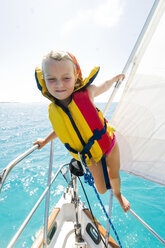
(61, 233)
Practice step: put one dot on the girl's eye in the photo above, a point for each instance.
(66, 78)
(51, 80)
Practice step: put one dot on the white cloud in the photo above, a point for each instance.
(106, 15)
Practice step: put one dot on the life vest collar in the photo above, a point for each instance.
(42, 85)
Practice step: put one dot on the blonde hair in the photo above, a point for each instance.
(58, 56)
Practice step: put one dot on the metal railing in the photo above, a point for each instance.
(6, 171)
(47, 196)
(3, 175)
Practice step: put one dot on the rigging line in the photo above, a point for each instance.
(94, 221)
(147, 226)
(26, 221)
(103, 208)
(109, 214)
(90, 180)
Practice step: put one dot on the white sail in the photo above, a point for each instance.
(140, 115)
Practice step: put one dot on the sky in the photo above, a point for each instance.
(98, 32)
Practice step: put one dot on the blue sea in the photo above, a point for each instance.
(20, 125)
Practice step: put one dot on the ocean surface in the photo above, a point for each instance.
(20, 125)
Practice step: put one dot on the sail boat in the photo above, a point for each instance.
(140, 125)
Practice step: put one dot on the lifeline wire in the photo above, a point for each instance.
(94, 221)
(88, 178)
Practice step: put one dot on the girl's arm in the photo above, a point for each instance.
(43, 142)
(96, 90)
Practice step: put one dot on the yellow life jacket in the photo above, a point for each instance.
(81, 127)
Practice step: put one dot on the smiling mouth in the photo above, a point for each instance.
(60, 91)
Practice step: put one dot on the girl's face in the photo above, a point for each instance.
(60, 78)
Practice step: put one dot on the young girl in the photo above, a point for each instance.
(72, 112)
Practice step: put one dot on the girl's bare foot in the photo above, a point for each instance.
(123, 202)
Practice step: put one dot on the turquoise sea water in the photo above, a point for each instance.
(20, 125)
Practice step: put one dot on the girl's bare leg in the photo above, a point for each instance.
(113, 166)
(97, 173)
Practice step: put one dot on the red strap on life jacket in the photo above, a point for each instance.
(91, 116)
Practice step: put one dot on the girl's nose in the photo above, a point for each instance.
(58, 82)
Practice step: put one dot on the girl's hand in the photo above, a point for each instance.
(40, 142)
(118, 77)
